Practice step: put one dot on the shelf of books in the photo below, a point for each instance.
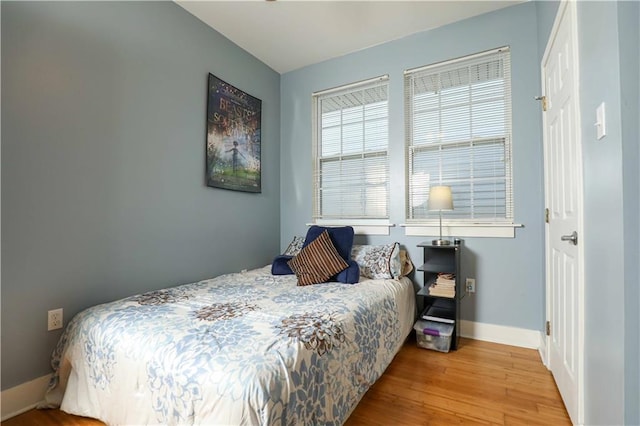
(443, 286)
(440, 292)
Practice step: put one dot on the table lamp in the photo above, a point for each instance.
(440, 199)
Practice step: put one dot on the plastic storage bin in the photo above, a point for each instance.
(433, 335)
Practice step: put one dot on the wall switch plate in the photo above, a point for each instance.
(601, 128)
(471, 285)
(54, 319)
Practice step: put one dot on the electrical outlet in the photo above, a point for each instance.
(54, 319)
(471, 285)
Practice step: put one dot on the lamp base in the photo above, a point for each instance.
(441, 242)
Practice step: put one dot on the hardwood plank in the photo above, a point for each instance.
(479, 384)
(518, 389)
(50, 418)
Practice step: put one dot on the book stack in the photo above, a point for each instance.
(444, 286)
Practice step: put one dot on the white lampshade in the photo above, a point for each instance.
(440, 198)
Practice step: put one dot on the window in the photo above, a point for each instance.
(458, 131)
(351, 139)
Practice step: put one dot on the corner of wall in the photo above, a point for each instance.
(24, 397)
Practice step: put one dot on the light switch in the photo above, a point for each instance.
(601, 130)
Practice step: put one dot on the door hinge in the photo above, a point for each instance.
(546, 215)
(544, 101)
(548, 328)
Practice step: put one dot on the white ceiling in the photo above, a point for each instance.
(290, 34)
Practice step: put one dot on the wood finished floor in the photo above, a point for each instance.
(480, 383)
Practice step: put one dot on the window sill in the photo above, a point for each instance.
(500, 230)
(360, 227)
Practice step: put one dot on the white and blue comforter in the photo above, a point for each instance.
(246, 348)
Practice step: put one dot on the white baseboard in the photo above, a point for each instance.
(513, 336)
(24, 397)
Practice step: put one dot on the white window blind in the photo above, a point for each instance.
(351, 138)
(458, 131)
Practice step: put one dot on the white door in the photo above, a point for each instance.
(563, 198)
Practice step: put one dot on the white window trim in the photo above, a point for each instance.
(361, 226)
(460, 228)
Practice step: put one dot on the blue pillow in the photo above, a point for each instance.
(351, 275)
(341, 237)
(280, 265)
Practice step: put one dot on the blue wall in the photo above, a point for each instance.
(546, 14)
(103, 195)
(509, 271)
(603, 214)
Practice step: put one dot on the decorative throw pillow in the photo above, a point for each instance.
(317, 261)
(378, 261)
(294, 246)
(406, 263)
(341, 237)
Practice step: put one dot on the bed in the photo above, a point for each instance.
(242, 348)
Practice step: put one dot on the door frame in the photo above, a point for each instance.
(566, 7)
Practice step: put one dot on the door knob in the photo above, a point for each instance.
(573, 238)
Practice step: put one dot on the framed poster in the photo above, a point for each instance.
(233, 138)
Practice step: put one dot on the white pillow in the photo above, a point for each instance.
(378, 261)
(294, 246)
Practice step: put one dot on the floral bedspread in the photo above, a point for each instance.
(245, 348)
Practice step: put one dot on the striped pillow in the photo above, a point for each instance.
(317, 262)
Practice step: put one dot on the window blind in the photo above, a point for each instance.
(351, 138)
(458, 133)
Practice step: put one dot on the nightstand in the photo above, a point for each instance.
(440, 261)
